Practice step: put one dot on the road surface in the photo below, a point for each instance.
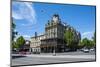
(48, 58)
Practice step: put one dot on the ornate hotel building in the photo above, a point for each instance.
(53, 39)
(54, 33)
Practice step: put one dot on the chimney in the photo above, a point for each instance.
(35, 34)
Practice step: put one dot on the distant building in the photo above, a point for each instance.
(36, 43)
(53, 39)
(26, 46)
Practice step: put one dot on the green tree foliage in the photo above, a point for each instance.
(13, 32)
(91, 43)
(80, 45)
(13, 25)
(94, 38)
(68, 37)
(14, 45)
(20, 41)
(87, 43)
(71, 38)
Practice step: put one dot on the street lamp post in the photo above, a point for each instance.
(54, 52)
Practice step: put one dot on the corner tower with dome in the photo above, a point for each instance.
(54, 33)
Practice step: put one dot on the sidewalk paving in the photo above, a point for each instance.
(63, 56)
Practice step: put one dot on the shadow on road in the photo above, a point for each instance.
(14, 57)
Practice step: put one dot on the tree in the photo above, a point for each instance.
(13, 36)
(68, 37)
(13, 32)
(87, 43)
(91, 43)
(20, 41)
(71, 38)
(14, 45)
(13, 25)
(80, 44)
(94, 38)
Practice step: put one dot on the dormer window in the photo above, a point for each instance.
(48, 23)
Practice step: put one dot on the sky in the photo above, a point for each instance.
(31, 17)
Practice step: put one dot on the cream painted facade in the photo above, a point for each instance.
(35, 43)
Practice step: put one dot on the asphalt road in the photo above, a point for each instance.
(49, 58)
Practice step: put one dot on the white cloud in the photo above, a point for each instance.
(26, 36)
(88, 35)
(25, 11)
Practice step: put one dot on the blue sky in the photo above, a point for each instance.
(32, 17)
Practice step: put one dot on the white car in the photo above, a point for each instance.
(86, 50)
(91, 49)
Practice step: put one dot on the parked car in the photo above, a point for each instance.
(67, 50)
(36, 52)
(22, 52)
(81, 49)
(92, 49)
(86, 50)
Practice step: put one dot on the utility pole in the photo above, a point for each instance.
(54, 51)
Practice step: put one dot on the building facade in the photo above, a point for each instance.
(53, 38)
(35, 43)
(54, 31)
